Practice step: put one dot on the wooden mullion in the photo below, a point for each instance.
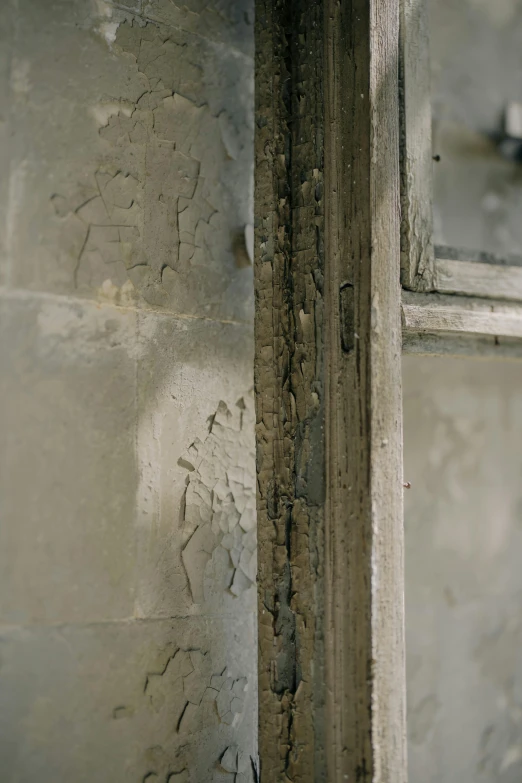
(328, 392)
(417, 256)
(451, 320)
(482, 275)
(364, 562)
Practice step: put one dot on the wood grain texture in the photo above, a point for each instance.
(328, 392)
(495, 281)
(289, 380)
(435, 324)
(417, 257)
(465, 345)
(476, 256)
(364, 535)
(443, 319)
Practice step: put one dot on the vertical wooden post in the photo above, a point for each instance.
(328, 392)
(364, 526)
(417, 252)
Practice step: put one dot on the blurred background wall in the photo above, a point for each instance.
(127, 540)
(463, 436)
(463, 522)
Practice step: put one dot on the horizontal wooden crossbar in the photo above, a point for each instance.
(460, 326)
(471, 273)
(454, 321)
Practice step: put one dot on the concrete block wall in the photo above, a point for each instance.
(127, 526)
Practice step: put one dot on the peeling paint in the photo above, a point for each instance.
(290, 393)
(166, 767)
(180, 220)
(108, 30)
(102, 112)
(191, 697)
(105, 221)
(127, 187)
(124, 296)
(219, 504)
(234, 760)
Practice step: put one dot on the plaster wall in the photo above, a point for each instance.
(127, 538)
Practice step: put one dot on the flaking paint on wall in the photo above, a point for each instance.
(219, 504)
(127, 657)
(161, 209)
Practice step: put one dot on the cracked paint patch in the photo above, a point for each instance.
(177, 232)
(219, 519)
(183, 691)
(104, 220)
(227, 21)
(190, 697)
(174, 777)
(230, 700)
(163, 767)
(235, 760)
(240, 764)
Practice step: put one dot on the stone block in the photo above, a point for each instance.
(67, 463)
(196, 499)
(157, 701)
(132, 160)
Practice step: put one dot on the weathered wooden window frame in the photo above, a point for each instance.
(328, 392)
(454, 301)
(342, 94)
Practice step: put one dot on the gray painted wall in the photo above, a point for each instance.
(127, 540)
(463, 523)
(476, 63)
(463, 436)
